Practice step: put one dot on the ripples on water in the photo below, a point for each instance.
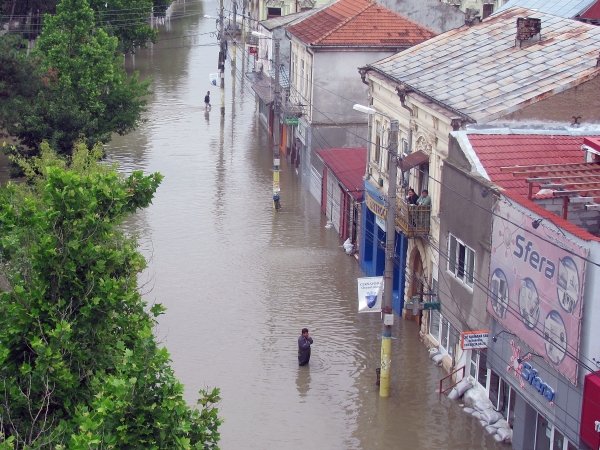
(240, 281)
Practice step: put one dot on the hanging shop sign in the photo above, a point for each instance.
(292, 121)
(370, 291)
(253, 50)
(536, 286)
(472, 340)
(375, 206)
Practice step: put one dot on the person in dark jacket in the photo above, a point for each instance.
(412, 198)
(207, 100)
(304, 343)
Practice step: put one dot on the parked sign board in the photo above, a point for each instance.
(474, 339)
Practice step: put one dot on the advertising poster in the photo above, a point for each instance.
(536, 287)
(369, 294)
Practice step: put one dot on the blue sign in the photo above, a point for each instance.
(529, 374)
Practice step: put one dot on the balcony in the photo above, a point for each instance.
(413, 220)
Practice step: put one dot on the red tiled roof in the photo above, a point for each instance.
(348, 166)
(592, 142)
(360, 23)
(496, 151)
(593, 12)
(556, 220)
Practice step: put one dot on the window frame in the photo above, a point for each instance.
(463, 270)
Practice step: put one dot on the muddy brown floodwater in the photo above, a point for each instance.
(240, 281)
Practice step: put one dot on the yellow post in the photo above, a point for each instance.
(386, 359)
(275, 184)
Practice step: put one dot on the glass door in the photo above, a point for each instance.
(543, 434)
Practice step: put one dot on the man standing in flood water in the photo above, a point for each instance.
(304, 343)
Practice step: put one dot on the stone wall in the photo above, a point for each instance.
(577, 215)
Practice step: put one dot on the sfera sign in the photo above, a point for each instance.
(472, 340)
(529, 374)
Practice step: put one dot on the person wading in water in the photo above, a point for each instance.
(304, 343)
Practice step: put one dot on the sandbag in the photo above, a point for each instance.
(438, 358)
(505, 434)
(463, 386)
(433, 351)
(497, 438)
(453, 395)
(499, 424)
(482, 405)
(491, 416)
(468, 410)
(474, 395)
(476, 414)
(490, 429)
(483, 423)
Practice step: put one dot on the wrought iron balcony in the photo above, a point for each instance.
(413, 220)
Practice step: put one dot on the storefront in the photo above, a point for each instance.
(373, 238)
(542, 405)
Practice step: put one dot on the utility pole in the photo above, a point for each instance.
(390, 256)
(222, 55)
(244, 29)
(234, 37)
(276, 137)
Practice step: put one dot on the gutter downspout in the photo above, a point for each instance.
(402, 93)
(363, 75)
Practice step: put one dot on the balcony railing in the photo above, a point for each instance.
(413, 220)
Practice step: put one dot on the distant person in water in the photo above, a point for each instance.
(304, 343)
(207, 100)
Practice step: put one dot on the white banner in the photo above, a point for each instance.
(369, 294)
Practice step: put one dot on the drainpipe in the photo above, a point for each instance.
(402, 92)
(363, 76)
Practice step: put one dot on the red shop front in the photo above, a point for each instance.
(590, 411)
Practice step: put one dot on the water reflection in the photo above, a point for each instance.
(303, 380)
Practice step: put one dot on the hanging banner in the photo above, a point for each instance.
(370, 291)
(536, 284)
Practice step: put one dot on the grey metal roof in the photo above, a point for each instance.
(562, 8)
(479, 72)
(276, 22)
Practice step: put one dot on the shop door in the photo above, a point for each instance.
(336, 198)
(543, 434)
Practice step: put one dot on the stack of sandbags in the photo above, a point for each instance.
(479, 406)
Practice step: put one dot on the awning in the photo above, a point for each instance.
(262, 86)
(413, 160)
(348, 166)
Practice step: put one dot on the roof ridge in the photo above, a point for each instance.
(370, 4)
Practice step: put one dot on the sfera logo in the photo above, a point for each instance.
(536, 261)
(529, 374)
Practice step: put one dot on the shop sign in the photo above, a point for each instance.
(369, 294)
(529, 374)
(253, 50)
(377, 208)
(472, 340)
(292, 121)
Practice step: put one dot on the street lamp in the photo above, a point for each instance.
(390, 251)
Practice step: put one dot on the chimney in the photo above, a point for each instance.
(528, 31)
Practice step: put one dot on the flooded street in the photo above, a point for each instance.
(240, 281)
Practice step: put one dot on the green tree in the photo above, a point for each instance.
(79, 365)
(87, 91)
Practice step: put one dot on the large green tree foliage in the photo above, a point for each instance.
(79, 365)
(87, 92)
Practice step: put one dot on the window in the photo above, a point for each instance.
(487, 10)
(461, 260)
(404, 147)
(273, 12)
(377, 143)
(477, 367)
(434, 324)
(444, 336)
(302, 77)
